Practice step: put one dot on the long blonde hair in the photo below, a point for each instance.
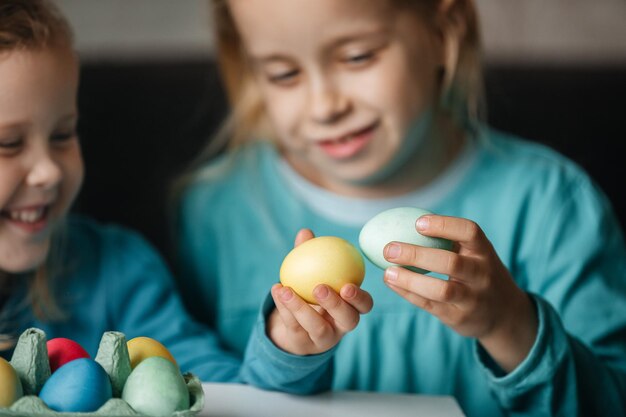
(36, 25)
(462, 87)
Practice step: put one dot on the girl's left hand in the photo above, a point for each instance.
(480, 299)
(304, 329)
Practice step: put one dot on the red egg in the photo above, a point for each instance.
(62, 351)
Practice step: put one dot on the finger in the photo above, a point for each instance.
(425, 304)
(361, 300)
(320, 331)
(286, 316)
(464, 231)
(344, 316)
(431, 259)
(303, 235)
(430, 288)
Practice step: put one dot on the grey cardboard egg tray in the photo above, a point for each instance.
(30, 360)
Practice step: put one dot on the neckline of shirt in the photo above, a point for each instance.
(351, 211)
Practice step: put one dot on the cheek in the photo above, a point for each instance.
(412, 105)
(9, 183)
(418, 57)
(74, 173)
(285, 112)
(395, 91)
(412, 96)
(79, 175)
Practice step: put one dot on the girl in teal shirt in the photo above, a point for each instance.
(67, 275)
(361, 106)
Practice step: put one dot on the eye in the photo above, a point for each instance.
(11, 143)
(361, 54)
(279, 72)
(11, 146)
(62, 137)
(359, 58)
(284, 78)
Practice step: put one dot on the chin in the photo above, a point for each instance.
(24, 262)
(371, 176)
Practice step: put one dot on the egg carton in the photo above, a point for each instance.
(30, 361)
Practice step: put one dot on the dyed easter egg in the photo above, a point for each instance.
(140, 348)
(322, 260)
(10, 384)
(62, 351)
(397, 224)
(81, 385)
(156, 388)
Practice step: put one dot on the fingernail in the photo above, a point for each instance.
(422, 223)
(286, 294)
(349, 291)
(391, 274)
(321, 292)
(392, 251)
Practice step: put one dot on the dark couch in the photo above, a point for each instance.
(142, 123)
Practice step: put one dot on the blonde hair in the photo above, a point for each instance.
(461, 92)
(36, 25)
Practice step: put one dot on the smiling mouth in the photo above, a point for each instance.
(28, 216)
(348, 145)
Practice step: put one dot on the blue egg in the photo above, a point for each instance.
(81, 385)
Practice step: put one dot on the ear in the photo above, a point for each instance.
(453, 12)
(452, 28)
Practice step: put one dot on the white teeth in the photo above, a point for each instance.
(27, 216)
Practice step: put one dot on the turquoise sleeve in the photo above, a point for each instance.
(560, 376)
(577, 365)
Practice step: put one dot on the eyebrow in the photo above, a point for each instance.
(13, 125)
(68, 118)
(72, 117)
(354, 37)
(261, 58)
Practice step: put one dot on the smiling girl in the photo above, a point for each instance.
(68, 275)
(344, 108)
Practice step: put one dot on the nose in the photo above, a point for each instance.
(45, 172)
(328, 103)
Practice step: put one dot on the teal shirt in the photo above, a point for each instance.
(549, 223)
(111, 279)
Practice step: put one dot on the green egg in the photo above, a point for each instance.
(156, 388)
(397, 224)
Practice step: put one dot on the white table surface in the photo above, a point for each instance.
(235, 400)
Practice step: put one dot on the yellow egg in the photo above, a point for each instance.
(141, 348)
(10, 384)
(323, 260)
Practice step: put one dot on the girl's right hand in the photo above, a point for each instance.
(303, 329)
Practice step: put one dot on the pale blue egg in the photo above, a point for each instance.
(156, 388)
(81, 385)
(397, 224)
